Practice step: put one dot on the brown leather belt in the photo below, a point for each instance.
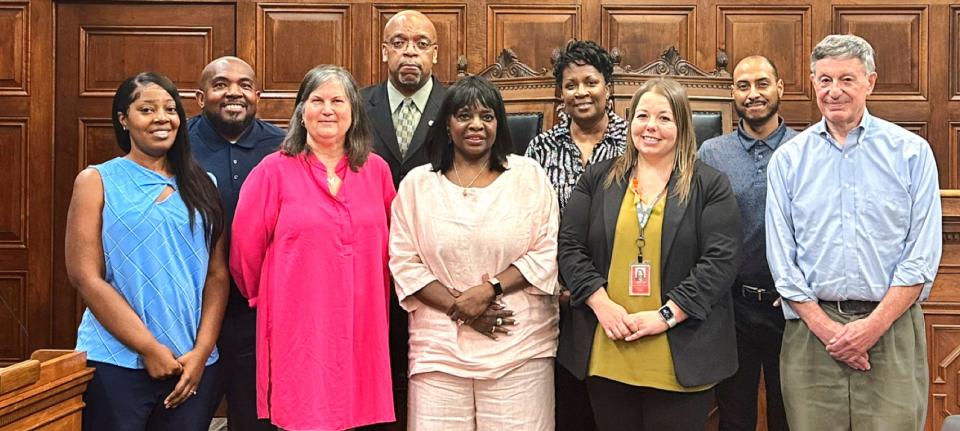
(851, 307)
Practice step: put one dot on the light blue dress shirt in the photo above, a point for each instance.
(847, 222)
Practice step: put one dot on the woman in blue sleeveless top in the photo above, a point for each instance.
(144, 249)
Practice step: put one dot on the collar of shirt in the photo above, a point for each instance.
(772, 140)
(615, 133)
(820, 128)
(419, 98)
(215, 142)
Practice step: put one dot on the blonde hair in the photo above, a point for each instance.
(685, 152)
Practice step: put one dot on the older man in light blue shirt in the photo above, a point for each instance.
(853, 241)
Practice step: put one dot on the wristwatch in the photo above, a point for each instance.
(666, 314)
(497, 288)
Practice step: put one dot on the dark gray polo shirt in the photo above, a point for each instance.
(744, 160)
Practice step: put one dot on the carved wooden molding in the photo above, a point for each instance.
(671, 63)
(508, 66)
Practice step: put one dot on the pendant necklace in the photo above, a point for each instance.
(457, 173)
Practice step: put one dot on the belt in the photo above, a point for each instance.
(758, 294)
(851, 307)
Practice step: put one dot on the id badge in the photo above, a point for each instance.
(640, 279)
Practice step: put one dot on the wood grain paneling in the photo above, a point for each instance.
(97, 142)
(782, 33)
(642, 33)
(293, 38)
(14, 46)
(918, 127)
(953, 150)
(899, 36)
(532, 32)
(943, 343)
(13, 316)
(13, 173)
(954, 37)
(110, 54)
(451, 23)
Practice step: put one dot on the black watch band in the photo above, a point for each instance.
(497, 287)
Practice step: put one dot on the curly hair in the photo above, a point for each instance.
(583, 52)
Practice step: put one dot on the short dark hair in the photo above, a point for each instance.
(469, 91)
(198, 192)
(583, 52)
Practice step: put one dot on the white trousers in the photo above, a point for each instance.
(521, 400)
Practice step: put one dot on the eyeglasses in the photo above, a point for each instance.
(400, 44)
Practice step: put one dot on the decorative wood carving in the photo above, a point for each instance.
(671, 63)
(509, 66)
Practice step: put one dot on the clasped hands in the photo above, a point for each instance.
(849, 343)
(160, 364)
(620, 325)
(476, 307)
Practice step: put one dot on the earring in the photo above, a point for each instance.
(124, 128)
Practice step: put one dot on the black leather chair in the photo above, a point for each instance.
(524, 126)
(707, 124)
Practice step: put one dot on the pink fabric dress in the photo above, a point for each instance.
(314, 266)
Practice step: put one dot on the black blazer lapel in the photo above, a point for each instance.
(379, 111)
(612, 201)
(672, 216)
(427, 118)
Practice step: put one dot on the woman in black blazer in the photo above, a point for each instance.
(649, 245)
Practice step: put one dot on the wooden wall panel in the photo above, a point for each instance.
(13, 173)
(110, 54)
(14, 44)
(532, 32)
(918, 127)
(97, 142)
(293, 38)
(953, 71)
(950, 165)
(642, 33)
(782, 33)
(899, 36)
(451, 23)
(13, 316)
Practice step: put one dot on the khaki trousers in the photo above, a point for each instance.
(822, 394)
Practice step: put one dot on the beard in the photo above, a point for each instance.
(231, 126)
(773, 107)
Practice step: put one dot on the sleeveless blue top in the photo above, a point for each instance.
(153, 258)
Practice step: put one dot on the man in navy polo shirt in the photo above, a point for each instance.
(228, 141)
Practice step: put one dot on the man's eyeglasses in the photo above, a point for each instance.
(400, 44)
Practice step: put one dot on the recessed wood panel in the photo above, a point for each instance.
(781, 33)
(13, 316)
(111, 54)
(953, 153)
(918, 127)
(532, 32)
(293, 38)
(943, 342)
(451, 24)
(954, 36)
(642, 33)
(13, 176)
(98, 143)
(899, 37)
(14, 49)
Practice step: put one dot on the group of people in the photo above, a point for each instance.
(655, 273)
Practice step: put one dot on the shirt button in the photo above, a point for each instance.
(845, 156)
(847, 185)
(235, 162)
(236, 177)
(852, 275)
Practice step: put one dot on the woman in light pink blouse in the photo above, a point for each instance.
(473, 255)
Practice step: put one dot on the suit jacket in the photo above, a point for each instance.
(385, 143)
(700, 255)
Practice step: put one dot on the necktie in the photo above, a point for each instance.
(405, 123)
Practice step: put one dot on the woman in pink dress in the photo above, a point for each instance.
(309, 251)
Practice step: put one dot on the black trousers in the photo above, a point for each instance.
(126, 399)
(759, 335)
(238, 366)
(622, 407)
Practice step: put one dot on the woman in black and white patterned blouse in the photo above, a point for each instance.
(588, 131)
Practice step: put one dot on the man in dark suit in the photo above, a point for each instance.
(404, 107)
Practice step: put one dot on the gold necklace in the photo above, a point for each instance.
(457, 173)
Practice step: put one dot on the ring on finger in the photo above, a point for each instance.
(193, 392)
(499, 321)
